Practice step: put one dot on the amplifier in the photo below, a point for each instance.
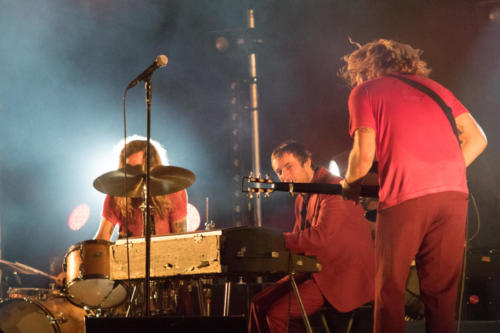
(482, 285)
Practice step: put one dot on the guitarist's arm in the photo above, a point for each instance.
(360, 161)
(472, 138)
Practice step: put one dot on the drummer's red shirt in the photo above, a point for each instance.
(416, 148)
(162, 224)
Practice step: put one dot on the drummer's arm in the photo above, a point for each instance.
(105, 230)
(178, 226)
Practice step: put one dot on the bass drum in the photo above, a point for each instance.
(87, 274)
(50, 313)
(26, 316)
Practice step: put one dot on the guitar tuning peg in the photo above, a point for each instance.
(250, 174)
(250, 195)
(267, 176)
(266, 195)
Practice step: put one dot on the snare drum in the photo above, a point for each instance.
(37, 294)
(56, 314)
(87, 274)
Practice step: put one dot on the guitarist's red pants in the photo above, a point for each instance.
(430, 229)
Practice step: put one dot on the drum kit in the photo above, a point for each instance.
(37, 309)
(88, 290)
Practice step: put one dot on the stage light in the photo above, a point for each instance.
(334, 168)
(193, 218)
(78, 217)
(221, 44)
(494, 14)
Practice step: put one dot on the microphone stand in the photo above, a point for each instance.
(147, 232)
(254, 108)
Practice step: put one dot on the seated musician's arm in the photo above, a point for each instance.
(333, 211)
(105, 230)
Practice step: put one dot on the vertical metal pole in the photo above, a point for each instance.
(1, 254)
(254, 108)
(1, 237)
(148, 197)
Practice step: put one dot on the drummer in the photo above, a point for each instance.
(168, 212)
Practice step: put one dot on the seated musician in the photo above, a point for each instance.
(332, 230)
(168, 211)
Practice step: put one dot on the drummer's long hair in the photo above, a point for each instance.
(379, 58)
(162, 205)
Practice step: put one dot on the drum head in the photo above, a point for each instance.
(97, 293)
(26, 316)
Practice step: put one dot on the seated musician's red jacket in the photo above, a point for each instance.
(340, 238)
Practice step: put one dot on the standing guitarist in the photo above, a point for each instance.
(329, 228)
(423, 138)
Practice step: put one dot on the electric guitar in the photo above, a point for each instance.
(266, 186)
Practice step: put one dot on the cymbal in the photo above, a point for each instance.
(130, 181)
(23, 269)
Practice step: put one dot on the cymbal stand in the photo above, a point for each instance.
(143, 209)
(134, 290)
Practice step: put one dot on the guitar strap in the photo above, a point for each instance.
(432, 94)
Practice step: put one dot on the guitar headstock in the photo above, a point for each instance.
(257, 185)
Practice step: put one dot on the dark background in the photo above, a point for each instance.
(64, 66)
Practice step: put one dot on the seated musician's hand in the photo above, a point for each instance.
(350, 191)
(61, 279)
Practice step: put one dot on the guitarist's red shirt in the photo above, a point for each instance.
(412, 162)
(339, 236)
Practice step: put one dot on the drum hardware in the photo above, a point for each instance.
(132, 297)
(168, 297)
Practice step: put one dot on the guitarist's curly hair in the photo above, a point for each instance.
(292, 147)
(379, 58)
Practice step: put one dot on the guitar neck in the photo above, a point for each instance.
(321, 188)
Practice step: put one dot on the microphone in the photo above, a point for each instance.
(160, 61)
